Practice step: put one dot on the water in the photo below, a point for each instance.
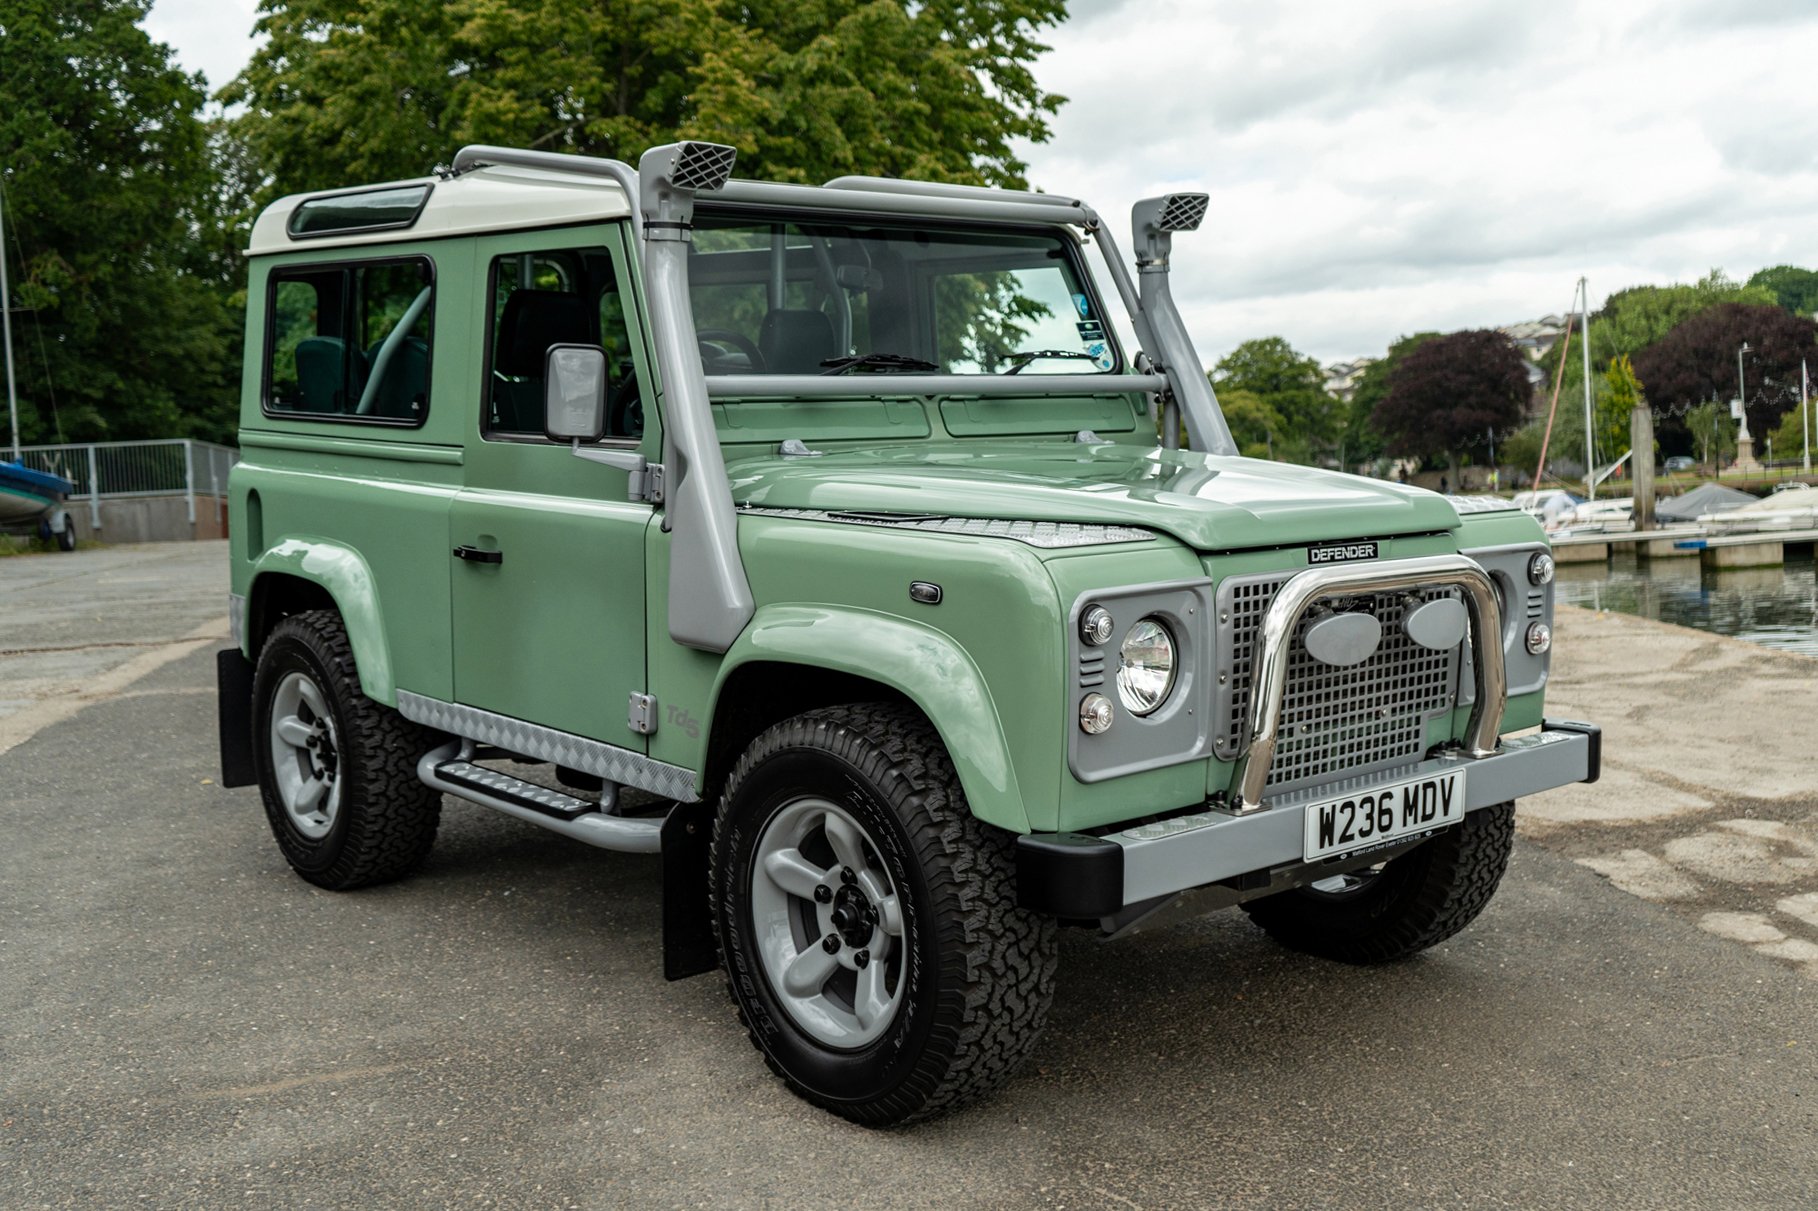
(1774, 607)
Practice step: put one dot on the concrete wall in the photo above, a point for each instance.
(151, 518)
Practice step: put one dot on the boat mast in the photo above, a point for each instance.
(1590, 449)
(6, 324)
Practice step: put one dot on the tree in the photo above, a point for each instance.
(348, 91)
(1288, 384)
(123, 327)
(1696, 361)
(1449, 392)
(1254, 425)
(1794, 289)
(1711, 430)
(1632, 319)
(1615, 406)
(1361, 439)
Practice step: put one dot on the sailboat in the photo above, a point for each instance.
(31, 502)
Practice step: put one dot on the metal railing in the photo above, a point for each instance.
(175, 466)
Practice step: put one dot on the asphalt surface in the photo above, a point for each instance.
(184, 1023)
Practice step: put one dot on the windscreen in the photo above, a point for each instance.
(809, 298)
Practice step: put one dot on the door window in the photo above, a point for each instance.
(565, 296)
(352, 342)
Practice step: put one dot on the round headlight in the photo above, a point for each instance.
(1095, 714)
(1145, 667)
(1540, 638)
(1540, 568)
(1095, 626)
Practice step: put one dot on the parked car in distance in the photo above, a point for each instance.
(1680, 462)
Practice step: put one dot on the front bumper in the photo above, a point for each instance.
(1080, 876)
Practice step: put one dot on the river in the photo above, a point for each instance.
(1774, 607)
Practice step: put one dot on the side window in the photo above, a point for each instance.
(352, 341)
(565, 296)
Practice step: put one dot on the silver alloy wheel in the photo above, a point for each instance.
(828, 924)
(305, 755)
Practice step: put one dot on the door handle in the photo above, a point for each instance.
(475, 555)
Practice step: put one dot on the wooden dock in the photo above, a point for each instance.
(1763, 548)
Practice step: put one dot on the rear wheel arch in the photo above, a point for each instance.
(298, 575)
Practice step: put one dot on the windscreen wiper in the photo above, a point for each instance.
(1023, 359)
(876, 361)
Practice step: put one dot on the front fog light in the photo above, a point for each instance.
(1145, 670)
(1540, 568)
(1540, 638)
(1095, 714)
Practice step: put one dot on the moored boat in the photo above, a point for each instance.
(31, 502)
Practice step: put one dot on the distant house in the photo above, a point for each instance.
(1342, 377)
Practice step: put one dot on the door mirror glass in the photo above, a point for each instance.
(574, 393)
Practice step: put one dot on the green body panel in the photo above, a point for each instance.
(999, 609)
(555, 633)
(1211, 504)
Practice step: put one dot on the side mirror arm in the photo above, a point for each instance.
(646, 482)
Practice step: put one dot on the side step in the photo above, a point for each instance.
(446, 770)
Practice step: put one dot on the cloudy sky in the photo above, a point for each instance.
(1383, 168)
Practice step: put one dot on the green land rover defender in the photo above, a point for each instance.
(820, 541)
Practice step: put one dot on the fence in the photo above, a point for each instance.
(121, 471)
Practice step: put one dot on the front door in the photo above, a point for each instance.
(549, 602)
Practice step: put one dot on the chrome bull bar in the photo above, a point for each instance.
(1298, 595)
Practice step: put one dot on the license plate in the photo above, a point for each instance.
(1367, 819)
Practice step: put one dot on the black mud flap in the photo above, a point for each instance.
(689, 948)
(233, 704)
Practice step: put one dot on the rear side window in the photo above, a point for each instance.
(352, 342)
(562, 296)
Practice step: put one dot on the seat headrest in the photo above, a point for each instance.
(796, 342)
(533, 321)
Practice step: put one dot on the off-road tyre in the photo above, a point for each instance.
(981, 973)
(387, 819)
(1417, 900)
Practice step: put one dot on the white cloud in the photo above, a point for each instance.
(1387, 168)
(1384, 168)
(213, 37)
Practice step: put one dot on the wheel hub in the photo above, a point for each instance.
(304, 756)
(853, 917)
(829, 924)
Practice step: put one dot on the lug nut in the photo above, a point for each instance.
(848, 876)
(862, 958)
(823, 894)
(831, 943)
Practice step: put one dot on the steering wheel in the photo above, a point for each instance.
(708, 353)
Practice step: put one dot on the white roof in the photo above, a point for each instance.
(494, 198)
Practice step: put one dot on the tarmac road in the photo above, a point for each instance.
(184, 1023)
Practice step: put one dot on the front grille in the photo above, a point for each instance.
(1334, 721)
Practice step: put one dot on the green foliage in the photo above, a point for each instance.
(1615, 405)
(1289, 385)
(1713, 430)
(348, 91)
(1789, 437)
(1254, 424)
(1360, 439)
(1632, 319)
(1794, 289)
(115, 249)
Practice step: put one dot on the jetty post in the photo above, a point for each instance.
(1641, 464)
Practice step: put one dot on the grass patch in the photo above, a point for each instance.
(17, 544)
